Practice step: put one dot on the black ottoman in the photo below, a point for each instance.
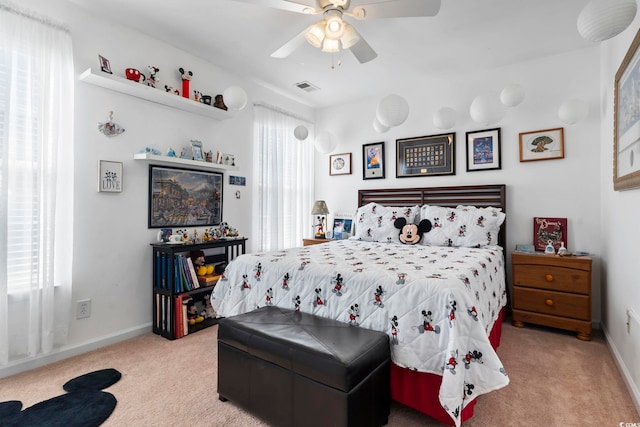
(297, 369)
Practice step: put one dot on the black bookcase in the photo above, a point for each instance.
(169, 289)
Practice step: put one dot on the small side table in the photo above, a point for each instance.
(309, 242)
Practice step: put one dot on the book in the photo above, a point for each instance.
(549, 229)
(178, 317)
(192, 273)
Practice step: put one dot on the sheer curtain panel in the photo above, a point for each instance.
(284, 173)
(36, 184)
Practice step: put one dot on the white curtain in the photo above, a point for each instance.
(284, 173)
(36, 184)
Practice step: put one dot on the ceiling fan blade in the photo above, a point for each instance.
(397, 9)
(288, 48)
(300, 6)
(362, 51)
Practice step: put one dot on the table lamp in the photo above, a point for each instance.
(320, 209)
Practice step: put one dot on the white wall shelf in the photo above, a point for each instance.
(175, 161)
(157, 95)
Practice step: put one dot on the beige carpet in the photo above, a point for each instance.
(556, 380)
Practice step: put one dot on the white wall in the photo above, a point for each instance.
(619, 229)
(112, 253)
(551, 188)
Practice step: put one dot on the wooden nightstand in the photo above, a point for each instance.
(309, 242)
(553, 291)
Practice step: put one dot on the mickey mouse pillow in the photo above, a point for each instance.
(410, 234)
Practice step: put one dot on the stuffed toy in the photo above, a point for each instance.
(410, 234)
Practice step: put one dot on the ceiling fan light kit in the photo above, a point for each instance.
(333, 31)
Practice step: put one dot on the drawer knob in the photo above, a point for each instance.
(549, 302)
(549, 277)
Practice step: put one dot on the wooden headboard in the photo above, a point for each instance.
(476, 195)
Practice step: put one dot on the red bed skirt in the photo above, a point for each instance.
(419, 390)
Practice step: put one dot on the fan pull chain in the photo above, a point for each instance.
(333, 65)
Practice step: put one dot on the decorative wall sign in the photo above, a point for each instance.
(426, 155)
(483, 150)
(626, 121)
(373, 160)
(109, 176)
(340, 164)
(544, 144)
(237, 180)
(549, 229)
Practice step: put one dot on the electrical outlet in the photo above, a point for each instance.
(83, 309)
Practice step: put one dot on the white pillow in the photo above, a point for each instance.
(468, 227)
(374, 222)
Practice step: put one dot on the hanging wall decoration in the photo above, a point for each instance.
(110, 128)
(109, 176)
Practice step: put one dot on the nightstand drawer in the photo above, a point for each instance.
(551, 277)
(553, 303)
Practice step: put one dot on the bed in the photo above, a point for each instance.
(441, 301)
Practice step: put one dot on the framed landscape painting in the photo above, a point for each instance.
(184, 197)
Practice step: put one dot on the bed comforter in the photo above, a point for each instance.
(436, 303)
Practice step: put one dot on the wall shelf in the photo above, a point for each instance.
(157, 95)
(175, 161)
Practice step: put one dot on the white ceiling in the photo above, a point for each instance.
(465, 35)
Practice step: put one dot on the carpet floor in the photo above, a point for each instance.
(556, 380)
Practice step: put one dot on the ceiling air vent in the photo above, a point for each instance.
(307, 87)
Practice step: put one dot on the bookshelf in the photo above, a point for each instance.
(173, 291)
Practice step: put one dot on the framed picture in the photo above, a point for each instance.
(340, 164)
(109, 176)
(342, 226)
(196, 149)
(544, 144)
(225, 159)
(626, 121)
(373, 160)
(426, 155)
(104, 64)
(483, 150)
(184, 197)
(549, 229)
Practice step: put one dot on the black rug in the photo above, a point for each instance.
(84, 405)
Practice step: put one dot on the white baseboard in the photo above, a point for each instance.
(65, 352)
(626, 375)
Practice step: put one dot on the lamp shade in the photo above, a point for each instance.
(602, 19)
(486, 109)
(315, 34)
(235, 97)
(379, 127)
(319, 208)
(512, 95)
(325, 142)
(301, 132)
(392, 110)
(573, 111)
(330, 46)
(445, 118)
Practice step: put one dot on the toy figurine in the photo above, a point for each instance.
(562, 250)
(110, 128)
(152, 80)
(171, 153)
(186, 78)
(219, 103)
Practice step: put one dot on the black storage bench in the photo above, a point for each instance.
(297, 369)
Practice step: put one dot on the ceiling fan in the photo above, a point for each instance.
(332, 31)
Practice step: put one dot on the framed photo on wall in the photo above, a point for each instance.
(544, 144)
(109, 176)
(340, 164)
(184, 197)
(373, 160)
(626, 121)
(426, 155)
(483, 150)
